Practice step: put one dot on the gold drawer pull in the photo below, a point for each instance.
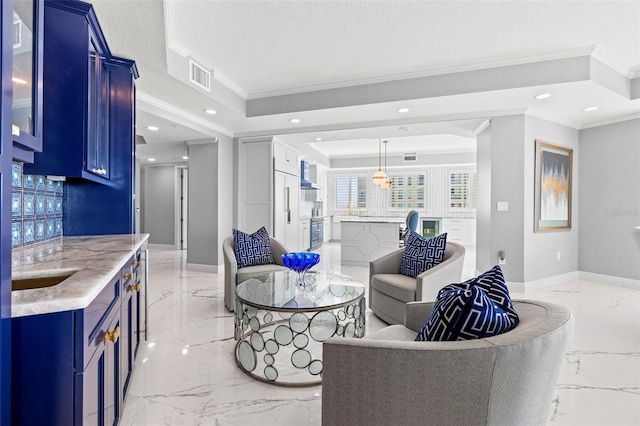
(128, 276)
(112, 336)
(135, 287)
(137, 263)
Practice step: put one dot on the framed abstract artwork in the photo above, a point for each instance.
(553, 187)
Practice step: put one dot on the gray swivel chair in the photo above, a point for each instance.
(386, 378)
(389, 290)
(234, 275)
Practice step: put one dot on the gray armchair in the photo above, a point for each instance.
(233, 275)
(389, 290)
(386, 378)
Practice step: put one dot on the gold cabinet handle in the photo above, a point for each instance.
(112, 336)
(137, 263)
(135, 287)
(128, 276)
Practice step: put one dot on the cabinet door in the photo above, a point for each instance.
(97, 142)
(130, 321)
(28, 19)
(98, 386)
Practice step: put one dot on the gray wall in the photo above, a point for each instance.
(392, 161)
(507, 181)
(540, 248)
(159, 204)
(484, 260)
(610, 199)
(225, 191)
(203, 204)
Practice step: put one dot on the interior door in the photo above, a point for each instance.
(184, 213)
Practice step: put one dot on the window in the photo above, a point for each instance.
(462, 190)
(407, 191)
(351, 192)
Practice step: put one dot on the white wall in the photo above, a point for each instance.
(610, 199)
(484, 258)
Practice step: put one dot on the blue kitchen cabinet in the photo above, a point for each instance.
(79, 93)
(89, 122)
(73, 365)
(27, 49)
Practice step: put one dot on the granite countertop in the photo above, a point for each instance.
(95, 260)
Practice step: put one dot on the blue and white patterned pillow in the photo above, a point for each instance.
(254, 249)
(422, 253)
(480, 307)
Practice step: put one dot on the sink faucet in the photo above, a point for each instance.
(349, 212)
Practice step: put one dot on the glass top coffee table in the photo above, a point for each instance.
(280, 327)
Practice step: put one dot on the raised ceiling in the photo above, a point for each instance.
(351, 64)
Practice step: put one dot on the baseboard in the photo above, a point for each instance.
(162, 246)
(609, 279)
(197, 267)
(542, 283)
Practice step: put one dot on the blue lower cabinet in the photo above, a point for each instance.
(70, 368)
(98, 401)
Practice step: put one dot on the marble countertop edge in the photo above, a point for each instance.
(92, 260)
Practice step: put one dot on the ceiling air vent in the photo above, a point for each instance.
(410, 157)
(199, 76)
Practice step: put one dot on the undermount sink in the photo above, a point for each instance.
(39, 282)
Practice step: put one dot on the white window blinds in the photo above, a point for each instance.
(351, 192)
(407, 191)
(462, 190)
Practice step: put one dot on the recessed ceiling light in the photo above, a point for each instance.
(403, 110)
(185, 157)
(543, 96)
(295, 120)
(593, 108)
(152, 159)
(18, 80)
(211, 111)
(318, 139)
(152, 128)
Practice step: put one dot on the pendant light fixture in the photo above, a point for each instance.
(387, 182)
(379, 177)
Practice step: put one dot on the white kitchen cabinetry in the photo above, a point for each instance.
(269, 189)
(460, 230)
(326, 231)
(285, 159)
(304, 235)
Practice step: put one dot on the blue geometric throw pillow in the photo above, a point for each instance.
(422, 253)
(480, 307)
(254, 249)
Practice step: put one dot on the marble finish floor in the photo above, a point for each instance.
(186, 373)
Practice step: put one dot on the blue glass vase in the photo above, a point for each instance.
(300, 262)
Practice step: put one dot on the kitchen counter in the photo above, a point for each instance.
(365, 240)
(95, 259)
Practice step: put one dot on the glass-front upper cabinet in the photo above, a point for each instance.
(27, 74)
(97, 146)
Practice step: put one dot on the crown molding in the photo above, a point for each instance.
(612, 120)
(551, 117)
(229, 84)
(178, 48)
(486, 123)
(606, 58)
(169, 111)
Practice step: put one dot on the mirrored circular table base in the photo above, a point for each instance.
(283, 345)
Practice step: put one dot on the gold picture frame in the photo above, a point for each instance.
(553, 187)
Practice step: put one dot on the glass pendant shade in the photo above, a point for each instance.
(386, 184)
(379, 177)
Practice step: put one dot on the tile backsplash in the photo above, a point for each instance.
(36, 208)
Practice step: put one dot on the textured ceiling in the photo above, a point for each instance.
(262, 49)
